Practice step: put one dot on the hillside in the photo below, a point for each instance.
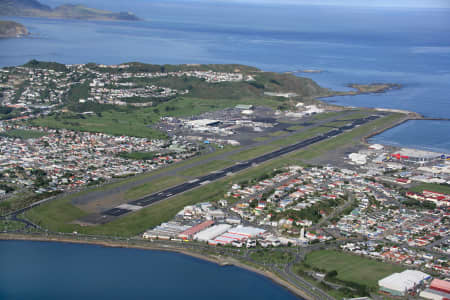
(33, 8)
(12, 29)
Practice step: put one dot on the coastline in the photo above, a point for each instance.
(409, 115)
(221, 261)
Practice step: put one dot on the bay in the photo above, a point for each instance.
(426, 135)
(45, 270)
(350, 44)
(409, 46)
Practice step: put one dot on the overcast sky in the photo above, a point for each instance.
(364, 3)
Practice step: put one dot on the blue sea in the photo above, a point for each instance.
(45, 270)
(409, 46)
(437, 133)
(349, 44)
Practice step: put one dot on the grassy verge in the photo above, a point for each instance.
(269, 256)
(254, 152)
(296, 127)
(357, 115)
(56, 215)
(278, 133)
(348, 138)
(261, 139)
(8, 225)
(206, 168)
(153, 186)
(326, 115)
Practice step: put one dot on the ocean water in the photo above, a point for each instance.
(405, 135)
(350, 44)
(44, 270)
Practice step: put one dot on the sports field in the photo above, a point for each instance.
(352, 268)
(438, 188)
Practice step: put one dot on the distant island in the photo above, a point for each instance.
(10, 29)
(33, 8)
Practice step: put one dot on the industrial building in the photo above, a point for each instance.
(165, 231)
(244, 107)
(398, 284)
(189, 233)
(238, 234)
(416, 156)
(203, 123)
(211, 232)
(438, 290)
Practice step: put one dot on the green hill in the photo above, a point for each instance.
(12, 29)
(33, 8)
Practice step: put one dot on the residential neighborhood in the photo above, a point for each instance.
(61, 160)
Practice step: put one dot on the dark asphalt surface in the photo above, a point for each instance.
(122, 188)
(167, 193)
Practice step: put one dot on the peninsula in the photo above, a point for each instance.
(10, 29)
(33, 8)
(224, 162)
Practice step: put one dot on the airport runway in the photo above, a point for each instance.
(135, 205)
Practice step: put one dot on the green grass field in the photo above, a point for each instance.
(8, 225)
(278, 133)
(154, 186)
(261, 139)
(351, 268)
(58, 214)
(326, 115)
(296, 127)
(439, 188)
(356, 115)
(135, 122)
(348, 138)
(206, 168)
(270, 256)
(297, 137)
(23, 134)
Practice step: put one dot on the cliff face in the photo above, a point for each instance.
(12, 29)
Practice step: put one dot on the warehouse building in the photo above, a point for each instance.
(203, 123)
(238, 234)
(189, 233)
(416, 156)
(211, 233)
(165, 231)
(398, 284)
(439, 290)
(244, 107)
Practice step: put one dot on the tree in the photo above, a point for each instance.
(331, 274)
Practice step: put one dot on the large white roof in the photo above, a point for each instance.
(403, 281)
(202, 122)
(247, 231)
(212, 232)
